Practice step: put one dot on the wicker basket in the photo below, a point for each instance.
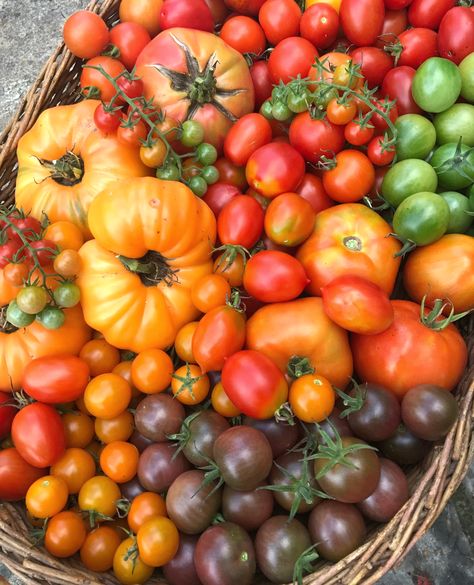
(432, 482)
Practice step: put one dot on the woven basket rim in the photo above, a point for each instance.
(434, 481)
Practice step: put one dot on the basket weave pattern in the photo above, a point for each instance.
(432, 483)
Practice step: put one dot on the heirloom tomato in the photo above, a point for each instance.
(193, 74)
(314, 138)
(289, 332)
(350, 239)
(16, 475)
(411, 351)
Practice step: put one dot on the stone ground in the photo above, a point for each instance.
(29, 30)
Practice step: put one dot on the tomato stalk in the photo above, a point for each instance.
(67, 170)
(151, 268)
(353, 403)
(299, 366)
(181, 439)
(433, 319)
(187, 382)
(305, 564)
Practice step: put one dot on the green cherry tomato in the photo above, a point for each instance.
(206, 153)
(406, 178)
(455, 123)
(266, 110)
(454, 165)
(422, 218)
(210, 174)
(67, 295)
(297, 102)
(192, 133)
(436, 85)
(466, 68)
(17, 317)
(168, 173)
(281, 112)
(32, 299)
(51, 318)
(416, 136)
(198, 186)
(459, 218)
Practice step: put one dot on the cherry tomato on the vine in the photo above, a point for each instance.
(378, 153)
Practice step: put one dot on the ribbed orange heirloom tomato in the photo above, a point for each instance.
(311, 398)
(119, 461)
(97, 552)
(107, 395)
(65, 534)
(46, 496)
(76, 466)
(158, 541)
(145, 506)
(100, 356)
(152, 370)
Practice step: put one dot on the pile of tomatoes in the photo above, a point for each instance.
(234, 283)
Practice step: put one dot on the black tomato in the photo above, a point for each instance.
(403, 447)
(158, 416)
(159, 465)
(247, 509)
(280, 435)
(181, 570)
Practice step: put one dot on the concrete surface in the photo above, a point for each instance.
(29, 30)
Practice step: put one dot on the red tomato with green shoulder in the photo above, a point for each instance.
(362, 20)
(247, 135)
(38, 434)
(357, 305)
(272, 276)
(351, 178)
(292, 56)
(7, 413)
(130, 38)
(254, 384)
(16, 475)
(240, 222)
(411, 352)
(56, 379)
(275, 168)
(314, 138)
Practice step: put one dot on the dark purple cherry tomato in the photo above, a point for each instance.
(140, 441)
(159, 465)
(198, 435)
(159, 415)
(181, 568)
(404, 448)
(281, 436)
(131, 489)
(247, 509)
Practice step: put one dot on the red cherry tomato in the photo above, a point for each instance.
(240, 223)
(397, 86)
(320, 25)
(374, 64)
(379, 155)
(314, 138)
(357, 134)
(292, 56)
(244, 35)
(107, 120)
(417, 44)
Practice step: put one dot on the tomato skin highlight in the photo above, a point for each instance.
(254, 384)
(362, 20)
(314, 138)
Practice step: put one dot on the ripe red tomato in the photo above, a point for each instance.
(394, 23)
(428, 13)
(374, 64)
(358, 305)
(247, 135)
(314, 138)
(274, 169)
(358, 134)
(378, 154)
(410, 353)
(352, 177)
(387, 108)
(130, 38)
(244, 35)
(16, 475)
(186, 14)
(273, 277)
(107, 120)
(218, 195)
(311, 188)
(417, 44)
(397, 4)
(456, 34)
(43, 250)
(240, 222)
(132, 135)
(254, 384)
(85, 34)
(56, 379)
(8, 252)
(362, 20)
(231, 174)
(7, 414)
(320, 25)
(250, 7)
(279, 19)
(292, 56)
(92, 80)
(38, 434)
(397, 86)
(262, 82)
(29, 226)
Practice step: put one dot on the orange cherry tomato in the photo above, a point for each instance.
(65, 534)
(107, 395)
(67, 263)
(189, 385)
(144, 12)
(124, 369)
(311, 398)
(152, 370)
(209, 292)
(158, 541)
(153, 156)
(341, 114)
(65, 234)
(99, 495)
(128, 566)
(76, 466)
(100, 356)
(184, 342)
(232, 270)
(119, 461)
(119, 428)
(46, 497)
(97, 552)
(221, 403)
(144, 507)
(78, 429)
(16, 273)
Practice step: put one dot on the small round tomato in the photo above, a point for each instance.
(97, 552)
(231, 174)
(380, 154)
(144, 507)
(119, 428)
(76, 466)
(291, 57)
(145, 12)
(119, 461)
(244, 35)
(46, 496)
(152, 370)
(183, 344)
(16, 273)
(209, 292)
(221, 403)
(240, 223)
(374, 64)
(155, 155)
(9, 252)
(358, 305)
(289, 219)
(273, 277)
(341, 113)
(67, 263)
(262, 82)
(65, 534)
(247, 135)
(94, 83)
(78, 429)
(85, 34)
(107, 118)
(99, 495)
(100, 356)
(158, 541)
(320, 25)
(417, 45)
(311, 188)
(358, 134)
(279, 19)
(311, 398)
(124, 369)
(132, 135)
(128, 566)
(232, 269)
(107, 395)
(383, 109)
(130, 38)
(351, 178)
(274, 169)
(189, 385)
(314, 138)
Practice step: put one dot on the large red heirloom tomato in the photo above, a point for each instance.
(153, 241)
(350, 239)
(194, 74)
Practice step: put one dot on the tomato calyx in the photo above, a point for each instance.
(394, 49)
(304, 564)
(352, 243)
(352, 403)
(152, 268)
(132, 554)
(229, 254)
(187, 382)
(123, 507)
(67, 170)
(235, 301)
(433, 320)
(458, 162)
(38, 534)
(95, 516)
(299, 366)
(111, 51)
(181, 439)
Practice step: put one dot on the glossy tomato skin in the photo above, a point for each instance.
(7, 414)
(409, 353)
(397, 85)
(190, 14)
(247, 135)
(240, 222)
(250, 7)
(130, 38)
(274, 169)
(254, 383)
(16, 475)
(351, 179)
(281, 435)
(362, 20)
(159, 466)
(262, 82)
(56, 379)
(394, 23)
(315, 138)
(358, 305)
(374, 64)
(38, 434)
(289, 220)
(428, 13)
(272, 277)
(419, 44)
(218, 195)
(249, 509)
(279, 19)
(157, 416)
(456, 34)
(311, 188)
(181, 568)
(319, 25)
(244, 35)
(292, 56)
(203, 427)
(404, 447)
